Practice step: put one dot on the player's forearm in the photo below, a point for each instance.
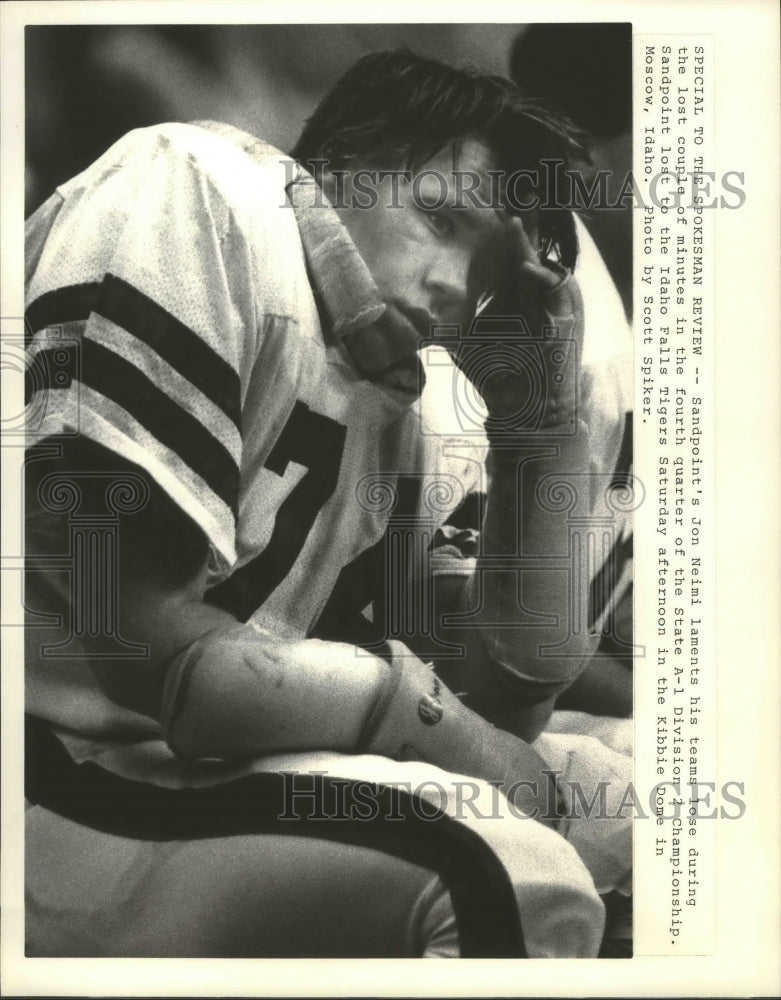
(252, 693)
(324, 695)
(236, 692)
(229, 690)
(535, 488)
(530, 582)
(546, 594)
(527, 599)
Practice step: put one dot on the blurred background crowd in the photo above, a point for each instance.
(87, 85)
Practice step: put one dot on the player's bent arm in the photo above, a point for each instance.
(294, 697)
(236, 692)
(222, 689)
(527, 637)
(233, 693)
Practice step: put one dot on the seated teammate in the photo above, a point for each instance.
(232, 423)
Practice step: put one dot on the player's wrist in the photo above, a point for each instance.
(552, 411)
(538, 391)
(415, 715)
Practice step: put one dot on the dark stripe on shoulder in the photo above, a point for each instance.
(349, 812)
(172, 426)
(120, 381)
(121, 303)
(62, 305)
(176, 343)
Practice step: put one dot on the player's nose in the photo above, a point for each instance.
(446, 282)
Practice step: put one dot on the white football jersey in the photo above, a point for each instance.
(173, 319)
(183, 333)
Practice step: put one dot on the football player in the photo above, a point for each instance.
(244, 400)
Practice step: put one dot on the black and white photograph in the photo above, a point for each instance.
(333, 400)
(332, 343)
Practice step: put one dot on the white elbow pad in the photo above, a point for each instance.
(189, 689)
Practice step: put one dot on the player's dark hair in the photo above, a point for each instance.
(395, 110)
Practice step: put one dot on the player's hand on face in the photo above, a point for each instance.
(522, 353)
